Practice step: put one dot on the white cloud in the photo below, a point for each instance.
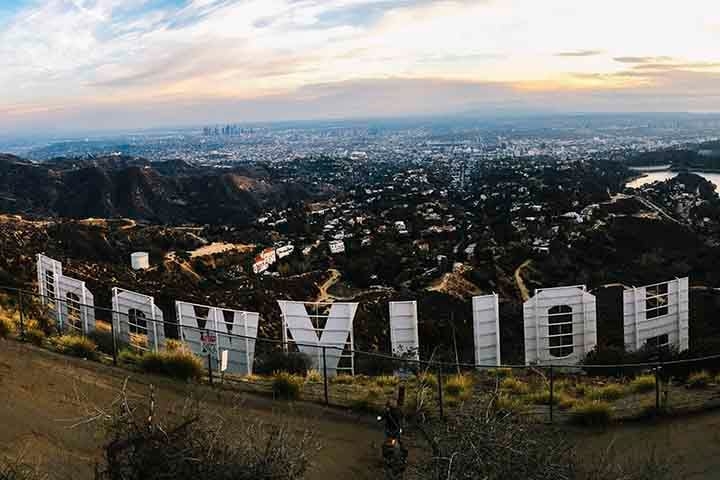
(64, 54)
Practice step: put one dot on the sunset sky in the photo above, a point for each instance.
(94, 64)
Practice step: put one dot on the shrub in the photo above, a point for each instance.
(129, 357)
(565, 401)
(6, 327)
(699, 379)
(313, 376)
(291, 362)
(103, 339)
(387, 381)
(144, 444)
(643, 384)
(427, 379)
(591, 412)
(183, 365)
(76, 346)
(370, 402)
(608, 392)
(35, 336)
(287, 386)
(507, 404)
(514, 385)
(459, 385)
(500, 372)
(542, 397)
(173, 345)
(178, 364)
(342, 380)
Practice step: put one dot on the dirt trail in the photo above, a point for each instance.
(43, 394)
(524, 293)
(324, 295)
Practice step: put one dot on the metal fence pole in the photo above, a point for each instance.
(325, 376)
(114, 339)
(210, 372)
(657, 388)
(552, 392)
(22, 315)
(440, 392)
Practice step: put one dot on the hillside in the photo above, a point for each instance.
(164, 192)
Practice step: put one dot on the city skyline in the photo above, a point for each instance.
(109, 64)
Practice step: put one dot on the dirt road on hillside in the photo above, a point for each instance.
(43, 394)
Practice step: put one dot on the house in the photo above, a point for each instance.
(337, 246)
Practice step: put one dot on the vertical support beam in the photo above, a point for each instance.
(441, 401)
(22, 315)
(325, 376)
(657, 387)
(552, 392)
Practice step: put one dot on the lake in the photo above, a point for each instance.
(653, 175)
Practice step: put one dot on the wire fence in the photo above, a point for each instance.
(543, 393)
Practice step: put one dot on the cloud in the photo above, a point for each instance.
(641, 60)
(579, 53)
(67, 57)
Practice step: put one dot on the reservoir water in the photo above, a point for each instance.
(653, 175)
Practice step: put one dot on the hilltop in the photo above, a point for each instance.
(168, 192)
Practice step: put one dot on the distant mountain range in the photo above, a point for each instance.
(169, 192)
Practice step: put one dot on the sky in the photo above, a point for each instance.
(110, 64)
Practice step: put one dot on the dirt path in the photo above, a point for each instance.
(524, 293)
(43, 394)
(324, 295)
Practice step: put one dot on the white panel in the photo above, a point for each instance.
(76, 308)
(148, 334)
(404, 329)
(225, 323)
(486, 330)
(337, 330)
(578, 334)
(671, 303)
(48, 272)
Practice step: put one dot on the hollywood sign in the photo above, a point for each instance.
(560, 324)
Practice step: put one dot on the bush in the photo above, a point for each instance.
(295, 363)
(591, 412)
(507, 404)
(427, 379)
(129, 357)
(287, 386)
(173, 345)
(387, 381)
(459, 385)
(370, 402)
(699, 379)
(35, 336)
(179, 364)
(500, 372)
(542, 397)
(145, 443)
(514, 385)
(608, 392)
(76, 346)
(643, 384)
(103, 339)
(313, 376)
(16, 470)
(343, 380)
(6, 327)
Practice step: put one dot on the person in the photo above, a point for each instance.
(393, 420)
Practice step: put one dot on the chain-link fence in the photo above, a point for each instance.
(544, 393)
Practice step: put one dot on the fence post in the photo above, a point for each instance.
(210, 373)
(657, 388)
(22, 315)
(552, 392)
(325, 376)
(440, 392)
(114, 339)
